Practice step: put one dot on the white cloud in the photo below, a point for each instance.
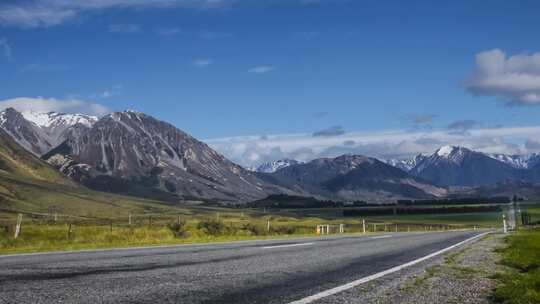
(252, 150)
(43, 13)
(41, 104)
(6, 49)
(516, 78)
(261, 69)
(202, 62)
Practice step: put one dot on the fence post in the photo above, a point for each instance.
(69, 231)
(396, 228)
(18, 225)
(111, 225)
(364, 226)
(268, 225)
(129, 219)
(505, 228)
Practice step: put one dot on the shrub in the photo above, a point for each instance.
(283, 229)
(255, 229)
(179, 229)
(212, 227)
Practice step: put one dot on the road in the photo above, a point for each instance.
(278, 271)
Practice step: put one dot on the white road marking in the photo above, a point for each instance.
(381, 237)
(288, 245)
(372, 277)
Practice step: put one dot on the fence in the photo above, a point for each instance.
(15, 224)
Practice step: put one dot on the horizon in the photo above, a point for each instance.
(328, 79)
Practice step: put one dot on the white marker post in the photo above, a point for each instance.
(364, 226)
(505, 228)
(18, 225)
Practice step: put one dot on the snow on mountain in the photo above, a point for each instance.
(518, 161)
(39, 132)
(459, 166)
(131, 152)
(355, 177)
(271, 167)
(405, 164)
(57, 120)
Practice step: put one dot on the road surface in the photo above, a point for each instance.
(278, 271)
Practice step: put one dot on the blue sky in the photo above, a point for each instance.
(244, 75)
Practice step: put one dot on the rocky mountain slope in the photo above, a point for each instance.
(40, 132)
(15, 160)
(354, 177)
(129, 148)
(458, 166)
(518, 161)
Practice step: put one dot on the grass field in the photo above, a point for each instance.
(485, 219)
(521, 285)
(91, 214)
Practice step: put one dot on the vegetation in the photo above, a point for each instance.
(457, 201)
(425, 210)
(521, 285)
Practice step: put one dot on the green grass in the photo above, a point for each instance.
(39, 238)
(485, 219)
(521, 285)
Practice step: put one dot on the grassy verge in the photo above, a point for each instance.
(521, 285)
(44, 238)
(43, 234)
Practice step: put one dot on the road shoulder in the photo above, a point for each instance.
(463, 275)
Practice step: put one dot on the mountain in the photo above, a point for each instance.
(458, 166)
(354, 177)
(39, 132)
(518, 161)
(28, 184)
(131, 152)
(271, 167)
(406, 164)
(15, 160)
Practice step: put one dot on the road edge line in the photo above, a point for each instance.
(335, 290)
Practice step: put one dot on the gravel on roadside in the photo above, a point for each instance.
(463, 275)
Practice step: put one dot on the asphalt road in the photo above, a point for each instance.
(244, 272)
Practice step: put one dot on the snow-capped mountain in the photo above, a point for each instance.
(406, 164)
(39, 132)
(459, 166)
(271, 167)
(127, 150)
(355, 177)
(518, 161)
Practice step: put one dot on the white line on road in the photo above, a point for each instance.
(288, 245)
(381, 237)
(372, 277)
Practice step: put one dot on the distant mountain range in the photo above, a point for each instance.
(459, 166)
(133, 153)
(353, 177)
